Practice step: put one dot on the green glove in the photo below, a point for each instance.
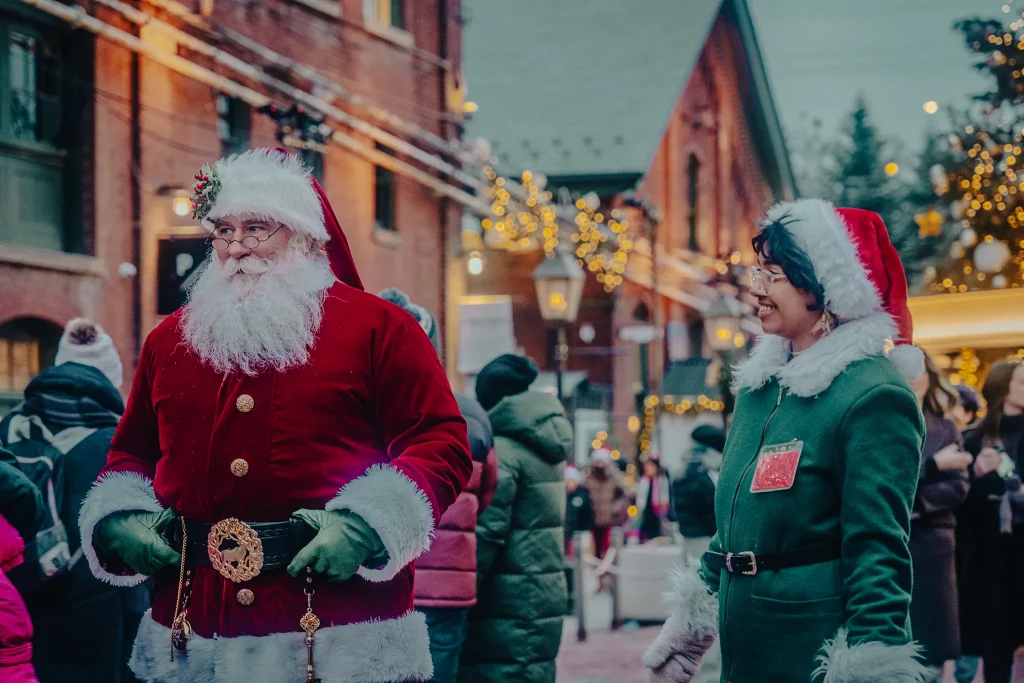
(343, 544)
(134, 538)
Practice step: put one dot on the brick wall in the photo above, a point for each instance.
(179, 133)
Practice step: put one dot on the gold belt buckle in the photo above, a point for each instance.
(243, 559)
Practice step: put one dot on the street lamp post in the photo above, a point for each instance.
(722, 324)
(559, 282)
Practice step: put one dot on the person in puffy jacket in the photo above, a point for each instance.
(516, 627)
(444, 586)
(22, 513)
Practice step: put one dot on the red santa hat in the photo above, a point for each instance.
(273, 184)
(858, 267)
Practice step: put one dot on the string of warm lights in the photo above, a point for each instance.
(672, 405)
(592, 232)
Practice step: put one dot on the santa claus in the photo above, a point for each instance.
(289, 444)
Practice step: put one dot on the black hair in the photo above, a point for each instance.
(776, 245)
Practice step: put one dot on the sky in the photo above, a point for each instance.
(899, 54)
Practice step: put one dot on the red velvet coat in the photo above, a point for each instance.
(369, 424)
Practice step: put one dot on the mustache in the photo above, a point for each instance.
(248, 265)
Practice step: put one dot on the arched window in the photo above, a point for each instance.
(693, 197)
(27, 345)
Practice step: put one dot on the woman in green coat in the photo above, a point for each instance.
(516, 627)
(809, 575)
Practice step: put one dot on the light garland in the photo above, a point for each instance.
(592, 232)
(521, 227)
(966, 365)
(670, 405)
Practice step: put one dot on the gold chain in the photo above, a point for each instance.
(181, 583)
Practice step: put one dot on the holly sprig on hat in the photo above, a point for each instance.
(204, 192)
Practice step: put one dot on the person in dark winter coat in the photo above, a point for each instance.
(74, 408)
(991, 529)
(579, 511)
(693, 494)
(516, 627)
(941, 489)
(444, 587)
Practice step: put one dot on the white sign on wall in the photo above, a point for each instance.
(485, 331)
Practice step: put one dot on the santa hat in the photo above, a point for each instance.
(573, 474)
(86, 343)
(601, 455)
(273, 184)
(858, 268)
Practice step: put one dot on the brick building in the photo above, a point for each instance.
(671, 100)
(106, 113)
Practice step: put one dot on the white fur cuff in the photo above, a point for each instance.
(690, 600)
(117, 492)
(396, 509)
(869, 663)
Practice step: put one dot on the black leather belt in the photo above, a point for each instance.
(750, 564)
(279, 540)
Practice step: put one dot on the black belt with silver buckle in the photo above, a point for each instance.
(279, 541)
(749, 564)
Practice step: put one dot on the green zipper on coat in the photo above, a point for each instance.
(732, 517)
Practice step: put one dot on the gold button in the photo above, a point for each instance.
(245, 597)
(239, 467)
(244, 403)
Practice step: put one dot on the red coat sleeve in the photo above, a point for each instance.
(136, 444)
(418, 415)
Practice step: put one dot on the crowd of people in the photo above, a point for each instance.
(255, 510)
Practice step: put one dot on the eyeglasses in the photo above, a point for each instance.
(761, 280)
(250, 242)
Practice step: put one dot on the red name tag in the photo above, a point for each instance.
(776, 467)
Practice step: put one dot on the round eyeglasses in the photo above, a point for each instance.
(761, 280)
(250, 242)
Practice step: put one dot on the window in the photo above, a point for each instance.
(384, 195)
(693, 177)
(27, 345)
(44, 75)
(178, 262)
(387, 12)
(232, 124)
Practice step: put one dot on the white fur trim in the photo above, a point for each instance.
(822, 234)
(812, 371)
(266, 184)
(116, 492)
(386, 651)
(909, 360)
(690, 600)
(395, 507)
(869, 662)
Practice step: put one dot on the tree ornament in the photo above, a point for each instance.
(999, 281)
(968, 237)
(929, 223)
(991, 256)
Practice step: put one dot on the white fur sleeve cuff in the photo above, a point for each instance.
(116, 492)
(395, 507)
(869, 662)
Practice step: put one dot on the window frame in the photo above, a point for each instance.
(385, 177)
(231, 112)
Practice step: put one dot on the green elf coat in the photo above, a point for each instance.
(840, 621)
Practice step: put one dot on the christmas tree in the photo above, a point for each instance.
(984, 188)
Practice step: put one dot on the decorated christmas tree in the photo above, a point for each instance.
(983, 189)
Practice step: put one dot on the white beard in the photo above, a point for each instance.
(252, 314)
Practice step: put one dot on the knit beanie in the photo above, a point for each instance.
(86, 343)
(422, 315)
(506, 375)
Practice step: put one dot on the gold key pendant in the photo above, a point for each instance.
(181, 633)
(309, 623)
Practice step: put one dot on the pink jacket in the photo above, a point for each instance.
(446, 574)
(15, 626)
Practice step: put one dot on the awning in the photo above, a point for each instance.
(980, 320)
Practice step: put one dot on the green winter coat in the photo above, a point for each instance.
(516, 627)
(862, 433)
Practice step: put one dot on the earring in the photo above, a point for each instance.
(825, 324)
